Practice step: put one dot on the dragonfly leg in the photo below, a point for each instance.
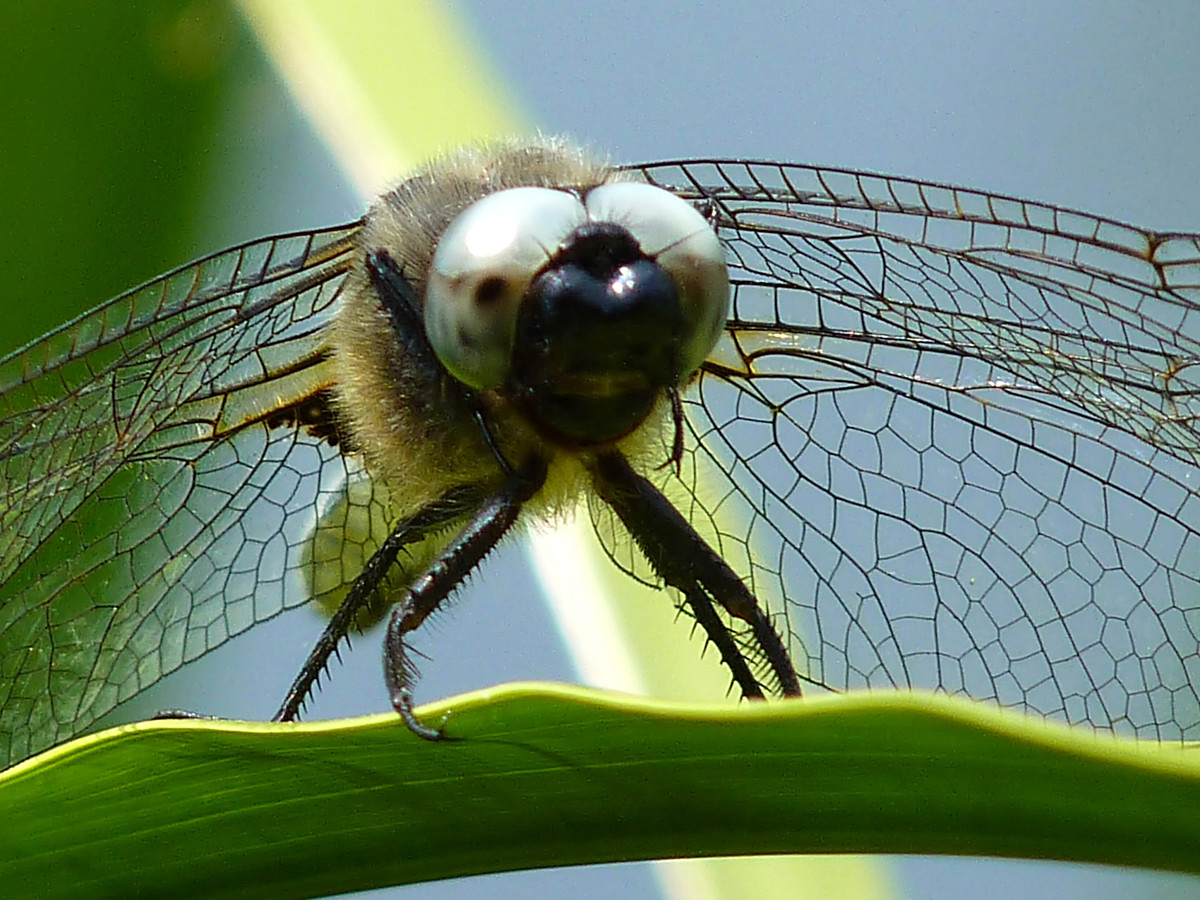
(450, 507)
(685, 561)
(428, 591)
(722, 638)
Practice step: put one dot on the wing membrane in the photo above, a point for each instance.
(957, 436)
(138, 472)
(949, 437)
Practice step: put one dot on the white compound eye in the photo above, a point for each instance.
(672, 233)
(480, 272)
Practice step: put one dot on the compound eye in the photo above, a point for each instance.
(481, 269)
(672, 233)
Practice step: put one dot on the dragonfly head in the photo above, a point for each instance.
(582, 309)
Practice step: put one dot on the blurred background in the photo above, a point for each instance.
(137, 136)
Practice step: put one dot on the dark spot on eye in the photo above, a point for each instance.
(465, 339)
(490, 291)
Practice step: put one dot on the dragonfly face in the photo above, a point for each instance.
(943, 439)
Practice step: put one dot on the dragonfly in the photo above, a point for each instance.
(906, 435)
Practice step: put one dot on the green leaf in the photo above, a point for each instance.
(541, 775)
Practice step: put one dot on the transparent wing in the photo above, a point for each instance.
(154, 482)
(952, 438)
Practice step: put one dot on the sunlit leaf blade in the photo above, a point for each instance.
(547, 776)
